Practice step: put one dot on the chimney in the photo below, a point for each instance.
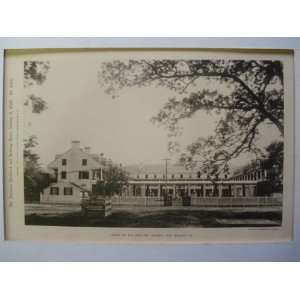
(87, 150)
(75, 145)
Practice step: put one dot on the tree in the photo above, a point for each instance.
(273, 162)
(35, 73)
(35, 180)
(246, 95)
(115, 178)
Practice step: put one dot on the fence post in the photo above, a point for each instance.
(107, 207)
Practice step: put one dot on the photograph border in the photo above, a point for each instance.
(262, 251)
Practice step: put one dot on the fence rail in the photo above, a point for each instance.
(199, 201)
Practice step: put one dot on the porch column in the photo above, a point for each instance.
(220, 189)
(143, 190)
(204, 190)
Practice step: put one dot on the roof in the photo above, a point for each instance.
(157, 169)
(69, 183)
(79, 187)
(96, 157)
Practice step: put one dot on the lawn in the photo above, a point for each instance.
(161, 218)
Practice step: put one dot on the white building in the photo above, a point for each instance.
(77, 171)
(154, 181)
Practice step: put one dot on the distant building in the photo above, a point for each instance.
(254, 172)
(76, 171)
(154, 181)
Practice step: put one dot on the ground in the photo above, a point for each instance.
(154, 218)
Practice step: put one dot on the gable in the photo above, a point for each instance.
(74, 159)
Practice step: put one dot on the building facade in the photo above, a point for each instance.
(177, 181)
(76, 171)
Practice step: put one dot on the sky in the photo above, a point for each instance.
(79, 109)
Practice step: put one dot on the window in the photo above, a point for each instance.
(138, 176)
(138, 191)
(68, 191)
(54, 190)
(146, 176)
(64, 162)
(84, 162)
(154, 176)
(226, 193)
(83, 175)
(198, 174)
(181, 176)
(154, 192)
(173, 176)
(63, 175)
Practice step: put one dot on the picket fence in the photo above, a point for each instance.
(199, 201)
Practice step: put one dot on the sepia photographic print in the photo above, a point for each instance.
(149, 145)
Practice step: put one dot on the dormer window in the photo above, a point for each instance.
(64, 162)
(84, 162)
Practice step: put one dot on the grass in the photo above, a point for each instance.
(160, 219)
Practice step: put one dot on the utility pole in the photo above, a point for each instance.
(166, 161)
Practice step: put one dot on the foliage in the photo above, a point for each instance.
(35, 72)
(247, 94)
(273, 162)
(34, 179)
(37, 103)
(115, 178)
